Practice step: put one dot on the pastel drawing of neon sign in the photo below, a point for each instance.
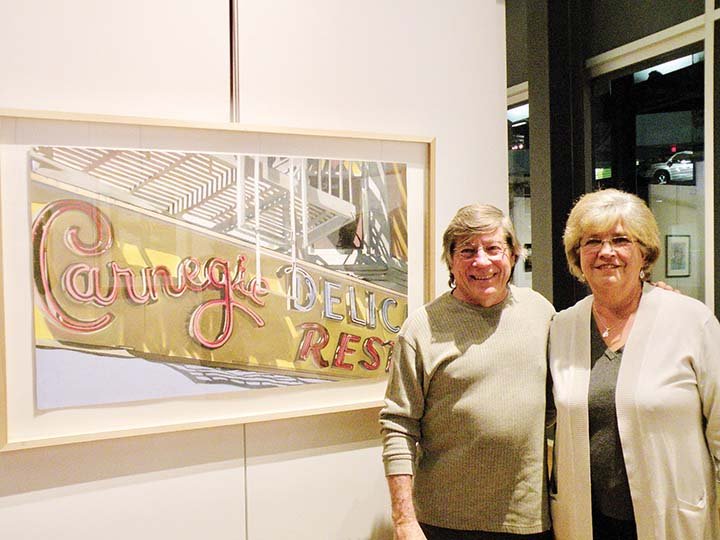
(259, 262)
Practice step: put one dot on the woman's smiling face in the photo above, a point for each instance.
(611, 260)
(482, 275)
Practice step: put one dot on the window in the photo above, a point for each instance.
(519, 167)
(648, 138)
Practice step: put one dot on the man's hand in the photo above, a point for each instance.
(408, 531)
(405, 523)
(663, 285)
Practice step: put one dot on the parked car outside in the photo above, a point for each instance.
(680, 167)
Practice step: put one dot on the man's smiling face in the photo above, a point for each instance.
(482, 275)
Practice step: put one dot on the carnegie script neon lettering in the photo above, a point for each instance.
(102, 287)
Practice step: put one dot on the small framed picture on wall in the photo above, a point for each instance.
(677, 255)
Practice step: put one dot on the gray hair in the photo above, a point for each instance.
(477, 219)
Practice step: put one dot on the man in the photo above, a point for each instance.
(464, 416)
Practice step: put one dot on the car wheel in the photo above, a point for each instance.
(662, 177)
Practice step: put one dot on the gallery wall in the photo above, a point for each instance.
(162, 59)
(167, 59)
(411, 67)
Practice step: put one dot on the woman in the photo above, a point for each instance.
(636, 375)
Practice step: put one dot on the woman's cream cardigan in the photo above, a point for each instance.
(668, 408)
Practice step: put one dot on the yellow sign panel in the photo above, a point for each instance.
(109, 278)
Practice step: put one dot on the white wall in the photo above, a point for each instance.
(155, 58)
(317, 477)
(416, 67)
(160, 58)
(176, 486)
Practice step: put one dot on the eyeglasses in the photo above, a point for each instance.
(494, 252)
(617, 243)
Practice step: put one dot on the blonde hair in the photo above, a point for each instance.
(477, 219)
(601, 210)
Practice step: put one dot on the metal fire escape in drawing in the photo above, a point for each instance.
(335, 213)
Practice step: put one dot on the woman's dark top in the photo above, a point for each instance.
(610, 488)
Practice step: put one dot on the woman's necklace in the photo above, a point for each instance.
(630, 309)
(605, 333)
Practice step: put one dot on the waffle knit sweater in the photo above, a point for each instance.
(465, 413)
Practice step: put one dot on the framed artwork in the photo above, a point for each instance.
(160, 276)
(677, 255)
